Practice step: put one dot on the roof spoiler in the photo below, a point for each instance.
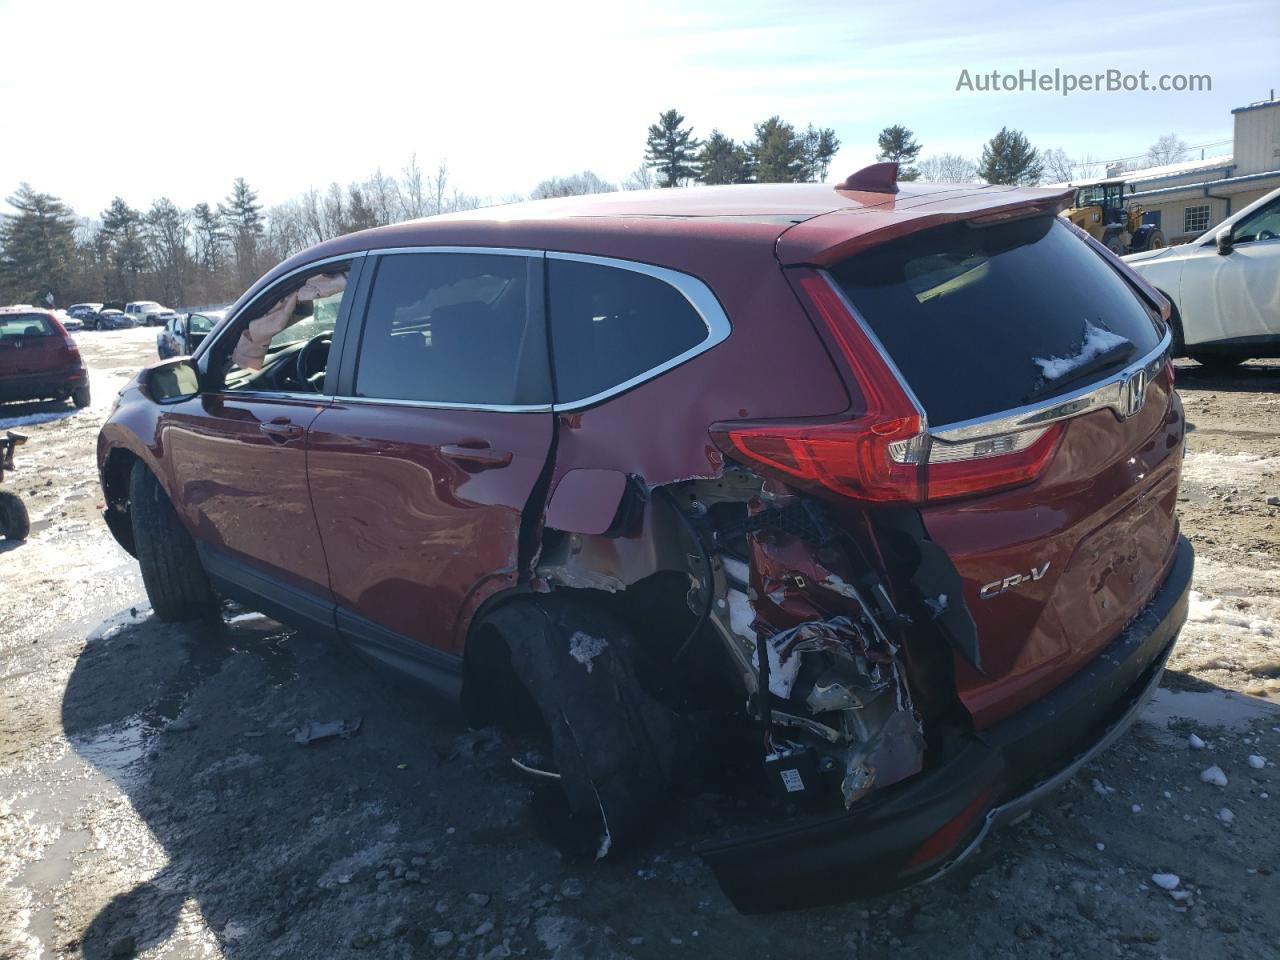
(877, 178)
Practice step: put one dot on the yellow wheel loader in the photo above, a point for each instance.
(1099, 209)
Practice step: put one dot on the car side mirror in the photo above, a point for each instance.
(1223, 238)
(170, 381)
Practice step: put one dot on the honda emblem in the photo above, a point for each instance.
(1133, 394)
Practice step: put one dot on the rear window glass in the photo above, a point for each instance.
(25, 325)
(609, 325)
(984, 319)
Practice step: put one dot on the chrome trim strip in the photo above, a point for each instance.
(1104, 393)
(489, 251)
(442, 405)
(319, 399)
(697, 293)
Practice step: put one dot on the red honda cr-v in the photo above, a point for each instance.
(38, 359)
(877, 484)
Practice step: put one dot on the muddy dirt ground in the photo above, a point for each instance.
(153, 801)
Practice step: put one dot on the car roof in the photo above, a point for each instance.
(805, 222)
(23, 308)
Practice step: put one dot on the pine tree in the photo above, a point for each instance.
(777, 154)
(1009, 158)
(37, 247)
(672, 150)
(211, 237)
(898, 144)
(818, 147)
(360, 215)
(243, 214)
(126, 254)
(723, 161)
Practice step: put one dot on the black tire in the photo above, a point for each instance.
(171, 570)
(15, 524)
(1221, 363)
(1178, 346)
(80, 397)
(616, 748)
(1155, 241)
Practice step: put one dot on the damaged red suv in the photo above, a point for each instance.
(874, 487)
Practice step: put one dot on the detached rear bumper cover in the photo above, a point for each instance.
(924, 827)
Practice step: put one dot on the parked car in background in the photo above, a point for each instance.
(148, 313)
(38, 359)
(185, 332)
(83, 310)
(1225, 287)
(68, 321)
(873, 486)
(109, 318)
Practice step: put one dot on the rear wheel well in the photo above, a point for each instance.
(1179, 345)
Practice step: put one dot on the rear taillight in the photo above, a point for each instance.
(71, 344)
(883, 454)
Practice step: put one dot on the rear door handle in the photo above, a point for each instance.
(281, 430)
(477, 453)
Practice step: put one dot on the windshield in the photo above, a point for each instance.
(981, 320)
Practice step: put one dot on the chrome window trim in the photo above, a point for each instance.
(487, 251)
(320, 399)
(695, 291)
(445, 405)
(1103, 393)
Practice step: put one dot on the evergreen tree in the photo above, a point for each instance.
(818, 147)
(121, 238)
(777, 154)
(166, 231)
(898, 144)
(211, 237)
(672, 150)
(1009, 158)
(723, 161)
(37, 247)
(243, 215)
(360, 215)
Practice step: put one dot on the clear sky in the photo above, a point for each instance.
(144, 98)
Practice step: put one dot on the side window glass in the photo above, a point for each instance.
(452, 328)
(609, 325)
(1262, 224)
(283, 345)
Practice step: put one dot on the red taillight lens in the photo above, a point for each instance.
(882, 454)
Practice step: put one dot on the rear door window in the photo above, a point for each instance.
(610, 326)
(454, 328)
(981, 320)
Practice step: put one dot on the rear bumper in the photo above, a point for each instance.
(924, 827)
(41, 385)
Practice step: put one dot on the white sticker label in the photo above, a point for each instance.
(791, 780)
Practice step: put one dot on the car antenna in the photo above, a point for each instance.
(877, 178)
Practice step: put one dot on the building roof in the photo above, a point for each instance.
(1259, 105)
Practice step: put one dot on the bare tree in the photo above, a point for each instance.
(575, 184)
(165, 231)
(948, 168)
(334, 212)
(1170, 148)
(1088, 167)
(312, 211)
(439, 186)
(412, 201)
(641, 178)
(381, 193)
(1058, 166)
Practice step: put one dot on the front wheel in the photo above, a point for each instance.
(15, 524)
(171, 570)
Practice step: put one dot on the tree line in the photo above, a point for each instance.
(212, 252)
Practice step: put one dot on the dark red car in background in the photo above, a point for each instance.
(874, 487)
(38, 359)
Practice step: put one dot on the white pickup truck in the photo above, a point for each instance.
(148, 313)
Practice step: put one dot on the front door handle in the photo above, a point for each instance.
(281, 430)
(476, 453)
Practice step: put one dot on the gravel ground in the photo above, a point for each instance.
(153, 801)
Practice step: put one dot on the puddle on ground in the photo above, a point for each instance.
(1211, 708)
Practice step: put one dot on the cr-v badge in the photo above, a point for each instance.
(997, 587)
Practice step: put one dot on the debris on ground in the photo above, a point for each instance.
(313, 731)
(1214, 775)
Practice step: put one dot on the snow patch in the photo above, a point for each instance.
(1097, 341)
(584, 648)
(1214, 775)
(1166, 881)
